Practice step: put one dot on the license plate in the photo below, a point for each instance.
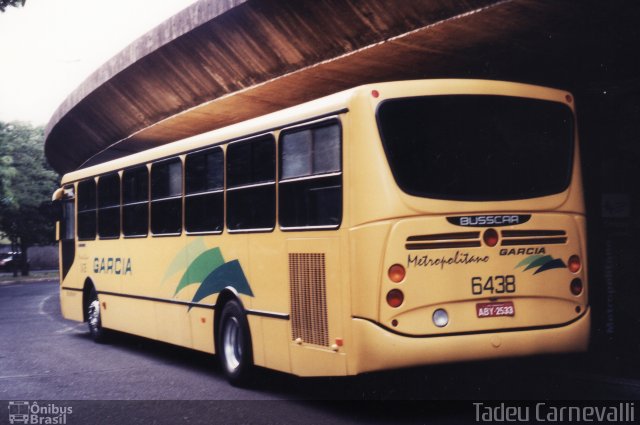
(495, 309)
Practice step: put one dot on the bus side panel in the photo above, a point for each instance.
(276, 336)
(368, 245)
(128, 315)
(70, 300)
(316, 310)
(174, 323)
(202, 329)
(71, 288)
(71, 305)
(266, 271)
(257, 339)
(119, 267)
(316, 361)
(200, 322)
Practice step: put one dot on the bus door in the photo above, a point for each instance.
(66, 233)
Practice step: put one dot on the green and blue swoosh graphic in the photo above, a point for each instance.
(211, 272)
(541, 263)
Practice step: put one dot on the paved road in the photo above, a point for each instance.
(44, 357)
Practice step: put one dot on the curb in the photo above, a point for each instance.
(35, 280)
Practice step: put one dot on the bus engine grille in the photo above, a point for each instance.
(308, 287)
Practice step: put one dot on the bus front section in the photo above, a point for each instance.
(480, 232)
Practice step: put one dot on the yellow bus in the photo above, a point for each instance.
(389, 225)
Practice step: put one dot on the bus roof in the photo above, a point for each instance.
(327, 105)
(322, 107)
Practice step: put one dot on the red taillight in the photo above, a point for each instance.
(576, 286)
(395, 297)
(396, 273)
(490, 237)
(574, 264)
(375, 93)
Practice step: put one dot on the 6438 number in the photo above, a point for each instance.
(493, 285)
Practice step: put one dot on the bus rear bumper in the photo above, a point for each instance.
(379, 349)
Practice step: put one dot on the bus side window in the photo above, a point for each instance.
(109, 206)
(67, 231)
(310, 183)
(204, 191)
(251, 191)
(135, 201)
(87, 209)
(166, 197)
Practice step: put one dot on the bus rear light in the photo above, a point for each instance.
(576, 286)
(490, 237)
(375, 93)
(574, 264)
(440, 318)
(395, 298)
(396, 273)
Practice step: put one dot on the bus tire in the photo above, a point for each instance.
(234, 344)
(94, 318)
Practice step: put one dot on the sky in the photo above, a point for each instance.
(49, 47)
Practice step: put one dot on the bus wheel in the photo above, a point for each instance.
(234, 344)
(94, 319)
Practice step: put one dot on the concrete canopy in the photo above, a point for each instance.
(219, 62)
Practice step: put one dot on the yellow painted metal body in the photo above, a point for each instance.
(364, 332)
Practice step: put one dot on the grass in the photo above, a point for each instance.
(34, 276)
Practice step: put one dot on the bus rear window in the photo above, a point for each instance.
(477, 147)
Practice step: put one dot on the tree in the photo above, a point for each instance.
(14, 3)
(26, 185)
